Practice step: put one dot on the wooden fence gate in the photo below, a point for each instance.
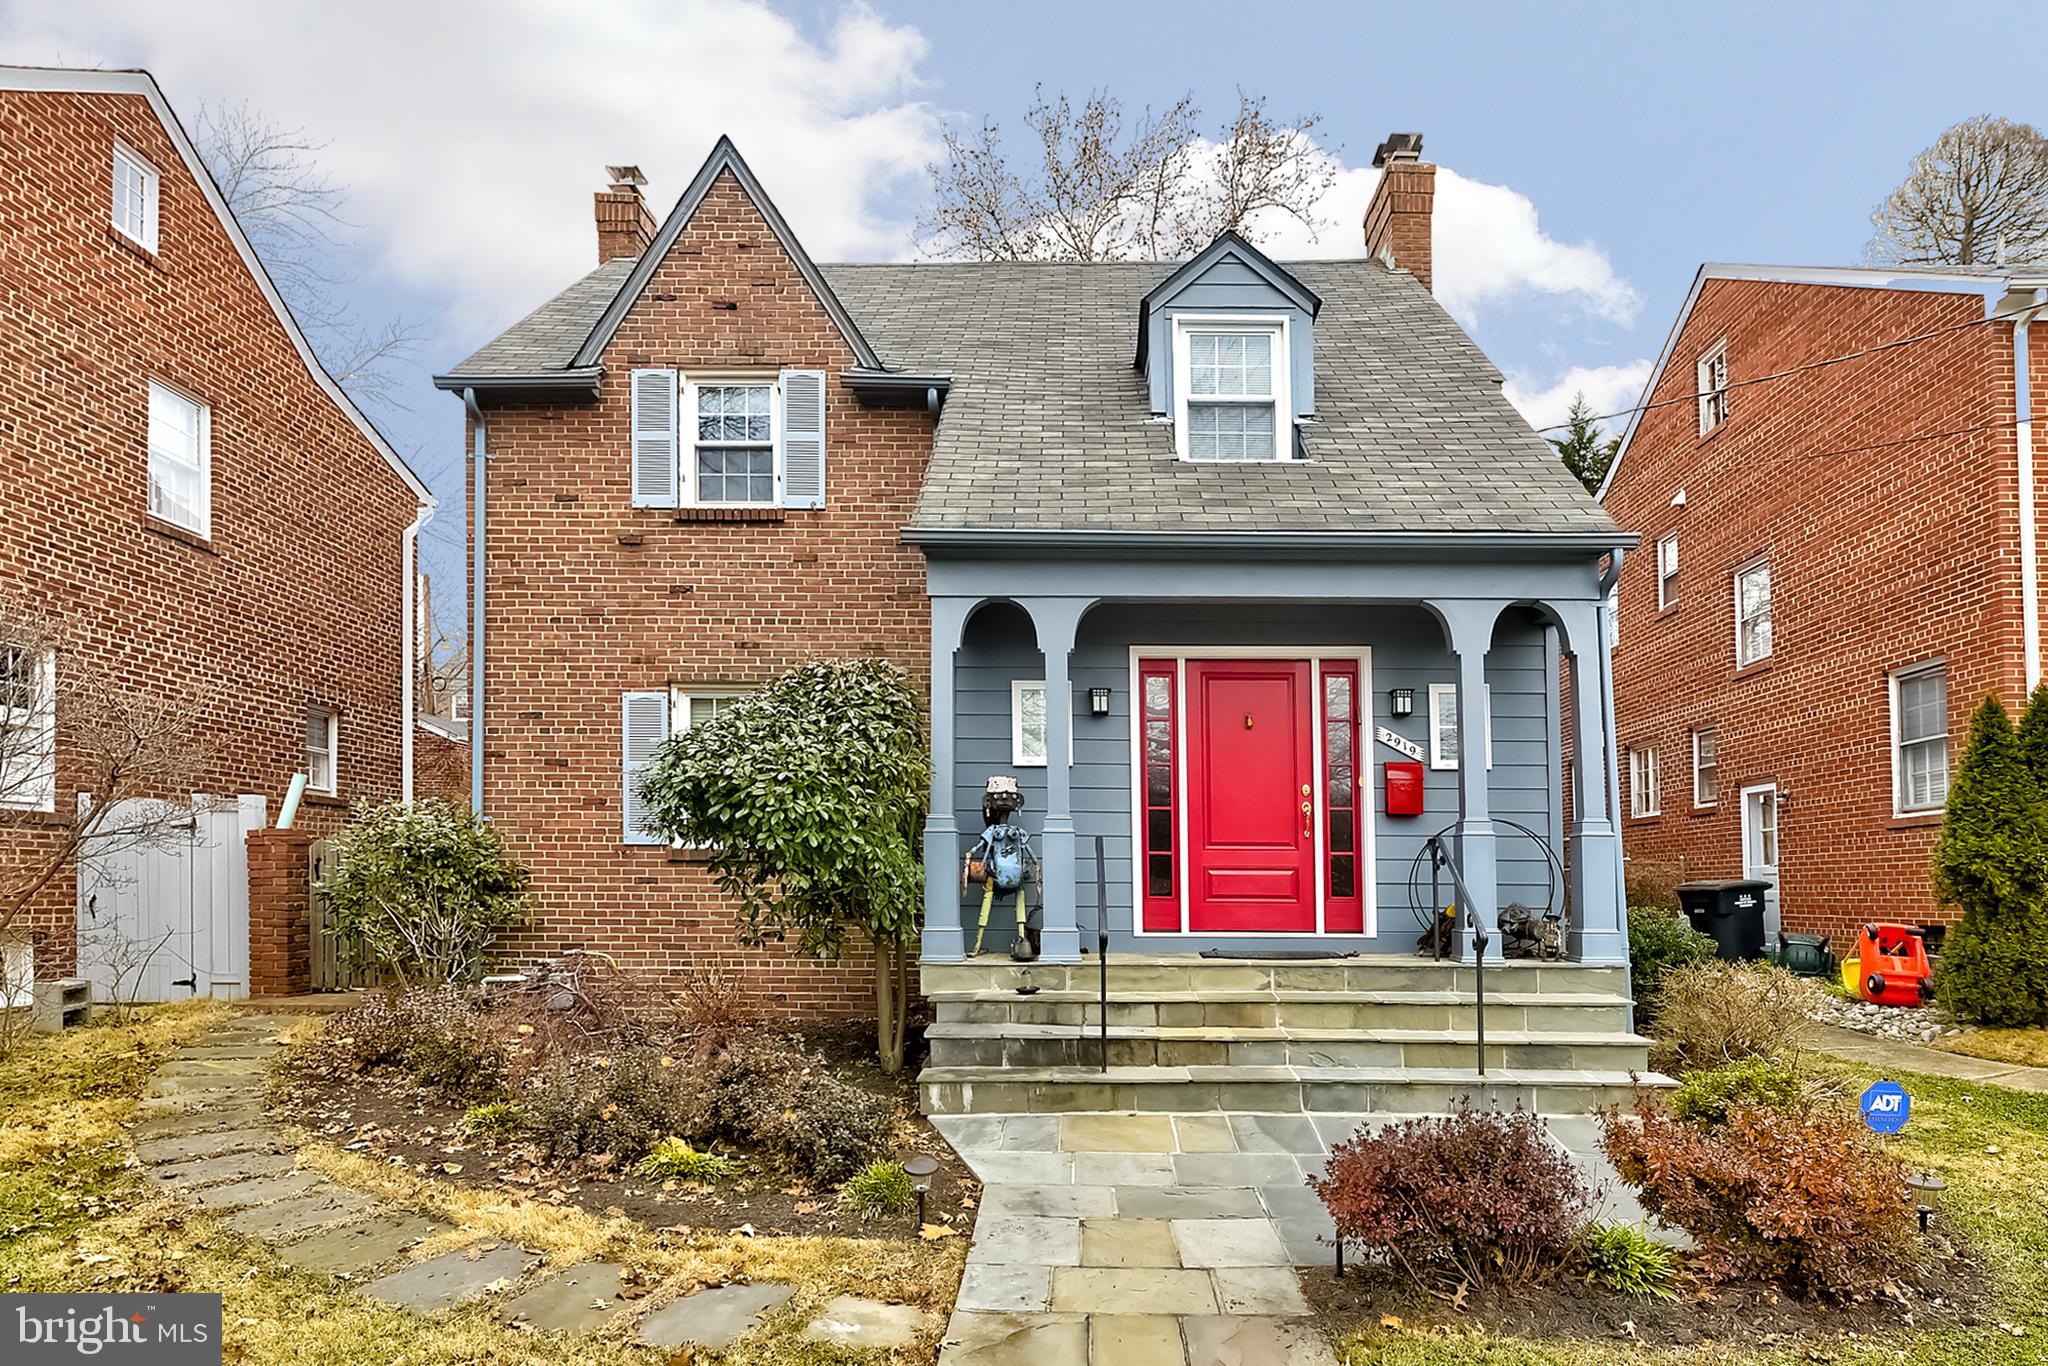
(331, 958)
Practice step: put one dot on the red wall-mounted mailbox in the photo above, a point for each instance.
(1404, 789)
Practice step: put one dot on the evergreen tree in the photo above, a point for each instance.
(1584, 451)
(1992, 860)
(2033, 733)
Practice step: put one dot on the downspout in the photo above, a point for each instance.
(478, 455)
(408, 722)
(2023, 429)
(1611, 743)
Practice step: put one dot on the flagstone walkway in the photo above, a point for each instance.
(204, 1133)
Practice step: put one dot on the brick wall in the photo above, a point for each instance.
(297, 598)
(1881, 558)
(280, 931)
(440, 768)
(589, 597)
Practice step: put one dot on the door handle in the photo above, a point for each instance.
(1307, 810)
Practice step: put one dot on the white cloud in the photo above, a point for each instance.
(1608, 388)
(471, 135)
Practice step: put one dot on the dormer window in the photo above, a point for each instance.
(1231, 379)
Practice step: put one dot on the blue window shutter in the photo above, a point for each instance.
(654, 438)
(645, 729)
(803, 438)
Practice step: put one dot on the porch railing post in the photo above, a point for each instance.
(1598, 934)
(1055, 621)
(945, 937)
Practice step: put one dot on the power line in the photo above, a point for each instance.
(1802, 369)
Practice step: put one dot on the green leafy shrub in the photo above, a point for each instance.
(1807, 1199)
(435, 1037)
(1474, 1198)
(880, 1188)
(1658, 941)
(493, 1119)
(673, 1159)
(1707, 1095)
(421, 889)
(1625, 1259)
(1713, 1013)
(1992, 860)
(619, 1104)
(778, 1098)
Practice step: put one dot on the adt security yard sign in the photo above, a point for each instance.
(1886, 1107)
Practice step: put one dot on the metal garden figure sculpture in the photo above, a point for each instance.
(1002, 861)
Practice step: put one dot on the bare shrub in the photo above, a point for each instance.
(1714, 1013)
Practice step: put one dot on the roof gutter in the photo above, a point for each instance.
(995, 543)
(2023, 438)
(476, 607)
(581, 382)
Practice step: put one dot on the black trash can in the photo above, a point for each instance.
(1731, 913)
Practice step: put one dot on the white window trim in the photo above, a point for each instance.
(686, 433)
(1667, 578)
(1702, 380)
(1645, 783)
(333, 751)
(1892, 681)
(1762, 562)
(152, 183)
(1283, 397)
(1018, 688)
(1697, 804)
(204, 523)
(1437, 758)
(43, 717)
(680, 694)
(1749, 850)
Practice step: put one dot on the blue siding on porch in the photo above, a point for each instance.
(1408, 650)
(1231, 286)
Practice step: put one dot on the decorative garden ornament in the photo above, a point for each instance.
(1002, 861)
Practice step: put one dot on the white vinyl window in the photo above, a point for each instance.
(1027, 722)
(1667, 571)
(693, 706)
(1752, 613)
(742, 440)
(135, 198)
(180, 459)
(1711, 381)
(1231, 381)
(1705, 766)
(322, 750)
(733, 449)
(1443, 725)
(1920, 739)
(28, 728)
(1643, 777)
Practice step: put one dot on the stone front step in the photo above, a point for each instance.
(1289, 1009)
(958, 1044)
(1147, 976)
(1271, 1090)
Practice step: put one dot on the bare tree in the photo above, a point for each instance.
(293, 216)
(1100, 189)
(1977, 196)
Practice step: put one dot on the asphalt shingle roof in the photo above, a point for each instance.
(1048, 426)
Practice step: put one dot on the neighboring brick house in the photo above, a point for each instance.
(185, 488)
(1838, 564)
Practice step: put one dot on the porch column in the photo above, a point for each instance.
(945, 939)
(1598, 933)
(1470, 627)
(1056, 620)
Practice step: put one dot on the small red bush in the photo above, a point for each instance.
(1806, 1199)
(1477, 1197)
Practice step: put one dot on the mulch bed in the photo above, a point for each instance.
(1951, 1293)
(386, 1116)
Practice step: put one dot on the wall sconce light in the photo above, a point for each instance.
(1098, 701)
(1402, 700)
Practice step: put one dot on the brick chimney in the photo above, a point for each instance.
(1397, 222)
(624, 226)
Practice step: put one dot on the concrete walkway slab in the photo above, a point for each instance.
(451, 1278)
(352, 1248)
(1128, 1242)
(1242, 1341)
(850, 1321)
(1026, 1238)
(1115, 1290)
(301, 1213)
(209, 1171)
(579, 1299)
(259, 1190)
(712, 1318)
(1135, 1340)
(1893, 1056)
(158, 1152)
(1006, 1287)
(974, 1339)
(1228, 1242)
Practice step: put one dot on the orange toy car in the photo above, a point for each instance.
(1894, 962)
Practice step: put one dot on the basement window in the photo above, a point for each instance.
(1230, 382)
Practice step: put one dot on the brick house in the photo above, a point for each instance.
(194, 498)
(1838, 565)
(1210, 556)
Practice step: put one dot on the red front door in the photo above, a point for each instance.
(1250, 805)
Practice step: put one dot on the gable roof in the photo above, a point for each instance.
(725, 158)
(1227, 244)
(62, 80)
(1989, 281)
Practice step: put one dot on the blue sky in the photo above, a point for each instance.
(1596, 153)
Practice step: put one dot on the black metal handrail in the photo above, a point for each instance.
(1440, 857)
(1102, 946)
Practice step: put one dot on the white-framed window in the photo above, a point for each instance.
(1752, 613)
(1920, 738)
(1711, 380)
(28, 728)
(323, 753)
(135, 198)
(1027, 722)
(692, 705)
(1667, 571)
(180, 459)
(1643, 777)
(741, 439)
(1231, 389)
(1443, 725)
(733, 445)
(1706, 745)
